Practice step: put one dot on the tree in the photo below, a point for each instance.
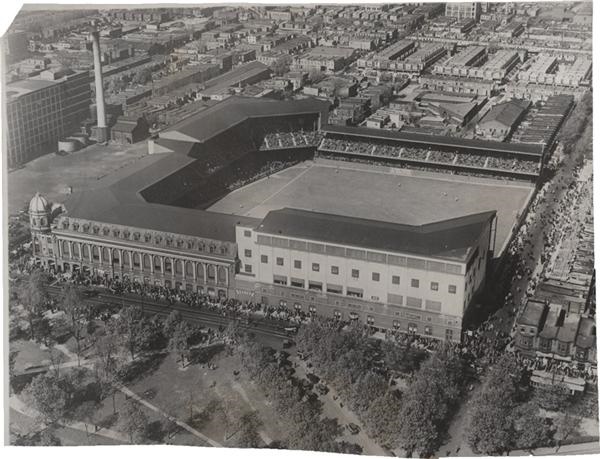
(135, 421)
(315, 435)
(171, 322)
(47, 438)
(156, 48)
(248, 427)
(107, 363)
(130, 325)
(282, 65)
(57, 358)
(143, 76)
(180, 342)
(44, 330)
(12, 360)
(382, 419)
(491, 427)
(531, 429)
(33, 296)
(232, 332)
(84, 412)
(366, 388)
(71, 302)
(553, 397)
(315, 75)
(48, 397)
(428, 402)
(567, 426)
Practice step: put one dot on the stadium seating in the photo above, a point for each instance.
(458, 160)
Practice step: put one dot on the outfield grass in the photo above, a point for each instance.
(394, 195)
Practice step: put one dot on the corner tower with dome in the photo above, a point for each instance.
(40, 218)
(39, 214)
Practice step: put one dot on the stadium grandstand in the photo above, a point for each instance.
(480, 157)
(232, 143)
(541, 125)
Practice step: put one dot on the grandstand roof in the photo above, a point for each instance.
(234, 110)
(506, 113)
(423, 140)
(451, 239)
(116, 201)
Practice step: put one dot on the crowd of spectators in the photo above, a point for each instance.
(289, 139)
(470, 160)
(385, 149)
(559, 368)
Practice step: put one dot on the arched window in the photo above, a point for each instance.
(106, 255)
(210, 272)
(199, 270)
(65, 248)
(147, 261)
(189, 269)
(221, 275)
(86, 251)
(95, 252)
(136, 260)
(178, 267)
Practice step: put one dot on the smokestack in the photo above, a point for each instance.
(102, 132)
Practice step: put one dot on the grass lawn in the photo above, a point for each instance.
(163, 383)
(393, 195)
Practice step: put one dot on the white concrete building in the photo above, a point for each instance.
(417, 279)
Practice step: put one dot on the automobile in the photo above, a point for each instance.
(322, 389)
(149, 394)
(291, 330)
(90, 293)
(287, 343)
(313, 378)
(353, 428)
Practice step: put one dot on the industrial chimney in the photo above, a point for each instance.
(102, 130)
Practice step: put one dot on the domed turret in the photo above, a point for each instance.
(39, 213)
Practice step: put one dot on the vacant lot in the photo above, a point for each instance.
(395, 195)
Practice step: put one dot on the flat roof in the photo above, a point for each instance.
(234, 76)
(216, 119)
(29, 85)
(452, 239)
(436, 140)
(116, 200)
(532, 314)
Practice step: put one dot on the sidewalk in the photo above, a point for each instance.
(580, 448)
(181, 424)
(19, 406)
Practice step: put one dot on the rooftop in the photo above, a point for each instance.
(454, 238)
(427, 141)
(234, 110)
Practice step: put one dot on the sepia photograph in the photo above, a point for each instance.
(353, 228)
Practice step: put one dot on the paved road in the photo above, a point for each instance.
(568, 450)
(196, 315)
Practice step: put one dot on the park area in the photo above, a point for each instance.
(381, 193)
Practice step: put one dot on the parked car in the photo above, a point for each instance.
(353, 428)
(322, 389)
(313, 378)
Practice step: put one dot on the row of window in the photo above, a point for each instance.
(335, 270)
